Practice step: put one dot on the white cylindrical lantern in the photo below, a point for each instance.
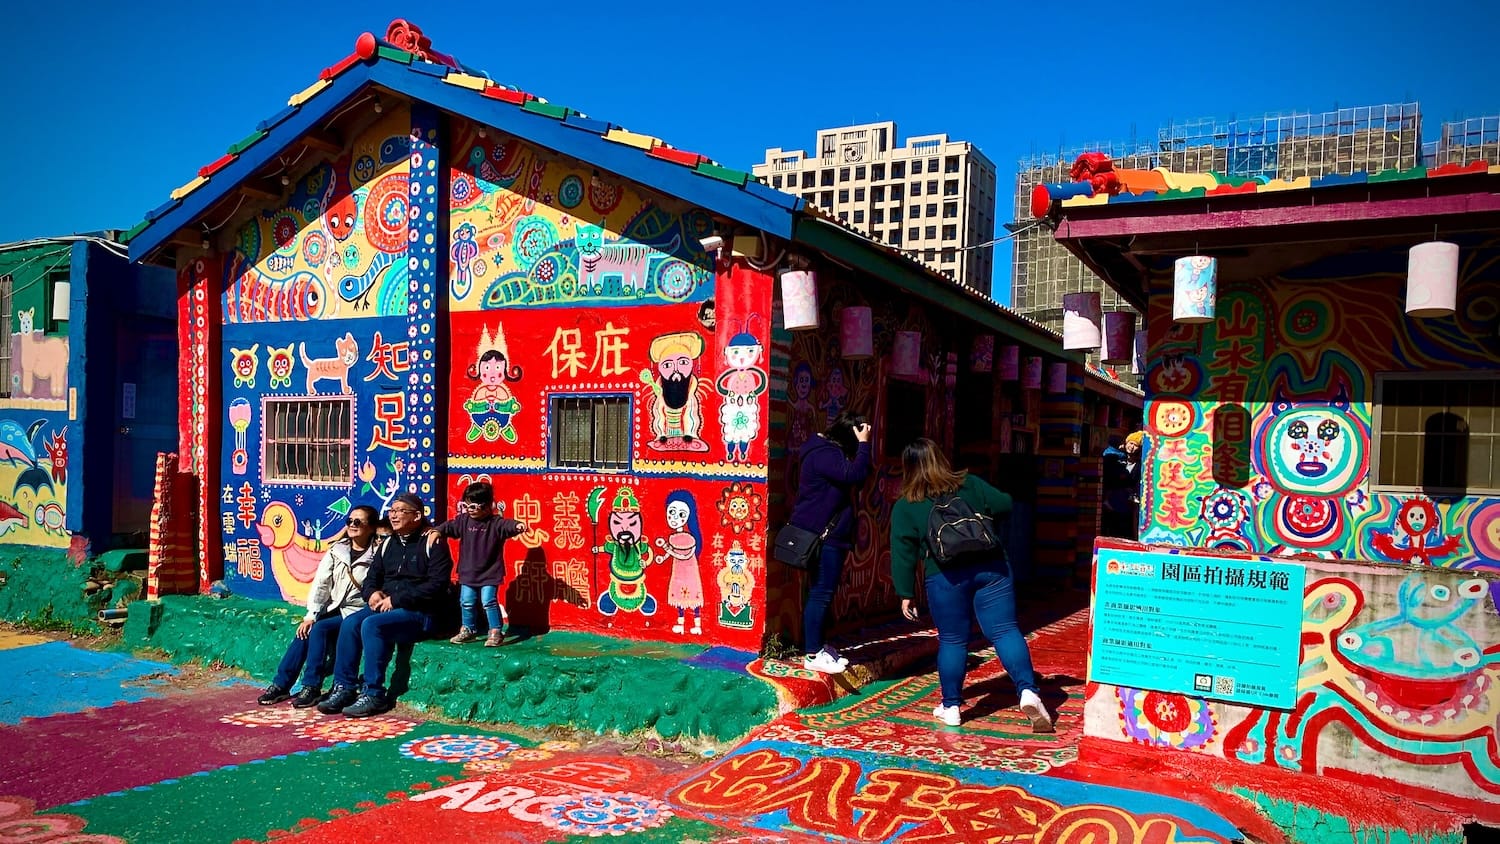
(1081, 321)
(856, 334)
(1119, 338)
(1138, 361)
(1031, 375)
(1010, 363)
(62, 301)
(982, 355)
(1432, 279)
(1057, 378)
(799, 299)
(1195, 282)
(906, 354)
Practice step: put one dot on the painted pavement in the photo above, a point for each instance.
(105, 748)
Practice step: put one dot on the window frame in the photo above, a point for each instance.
(268, 441)
(1377, 415)
(623, 466)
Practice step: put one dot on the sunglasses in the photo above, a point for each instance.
(355, 522)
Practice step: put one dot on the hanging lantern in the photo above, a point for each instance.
(906, 354)
(856, 334)
(799, 299)
(1195, 281)
(1081, 320)
(1010, 363)
(1119, 338)
(1138, 360)
(1031, 376)
(982, 355)
(1057, 378)
(1432, 279)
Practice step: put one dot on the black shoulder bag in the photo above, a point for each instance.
(796, 547)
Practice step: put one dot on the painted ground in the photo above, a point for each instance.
(103, 747)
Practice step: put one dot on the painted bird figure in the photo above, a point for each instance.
(294, 557)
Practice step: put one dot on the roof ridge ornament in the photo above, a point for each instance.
(407, 36)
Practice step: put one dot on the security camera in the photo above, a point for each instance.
(713, 243)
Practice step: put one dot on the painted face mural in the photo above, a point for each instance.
(279, 363)
(1321, 450)
(1416, 538)
(741, 388)
(676, 393)
(685, 590)
(629, 555)
(735, 585)
(492, 405)
(244, 366)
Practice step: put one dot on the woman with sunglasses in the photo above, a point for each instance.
(334, 596)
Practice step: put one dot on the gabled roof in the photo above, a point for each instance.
(379, 63)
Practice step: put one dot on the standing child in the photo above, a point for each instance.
(481, 539)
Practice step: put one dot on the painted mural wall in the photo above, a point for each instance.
(34, 407)
(328, 356)
(1260, 442)
(572, 292)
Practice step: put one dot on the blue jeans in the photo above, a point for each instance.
(469, 599)
(308, 655)
(956, 598)
(374, 636)
(825, 573)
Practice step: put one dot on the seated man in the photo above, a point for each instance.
(408, 579)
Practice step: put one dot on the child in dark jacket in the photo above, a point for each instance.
(481, 539)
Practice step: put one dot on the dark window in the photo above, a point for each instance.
(589, 432)
(859, 173)
(809, 179)
(877, 215)
(877, 194)
(893, 236)
(897, 193)
(843, 195)
(916, 166)
(931, 233)
(915, 212)
(916, 188)
(950, 232)
(843, 174)
(309, 440)
(775, 181)
(950, 164)
(827, 199)
(827, 178)
(913, 233)
(950, 188)
(898, 170)
(877, 171)
(1436, 433)
(950, 210)
(905, 415)
(859, 216)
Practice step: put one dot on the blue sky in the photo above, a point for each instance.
(113, 105)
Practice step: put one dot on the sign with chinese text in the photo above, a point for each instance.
(1216, 627)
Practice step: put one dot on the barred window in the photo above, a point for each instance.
(1438, 433)
(589, 432)
(309, 440)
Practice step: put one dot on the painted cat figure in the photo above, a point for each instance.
(41, 357)
(601, 261)
(336, 367)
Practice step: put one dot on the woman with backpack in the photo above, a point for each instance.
(944, 524)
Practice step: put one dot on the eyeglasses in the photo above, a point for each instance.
(406, 510)
(355, 522)
(472, 505)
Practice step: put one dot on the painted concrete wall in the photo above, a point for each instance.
(318, 302)
(1399, 664)
(565, 282)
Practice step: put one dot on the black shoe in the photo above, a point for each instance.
(340, 697)
(272, 696)
(309, 696)
(367, 705)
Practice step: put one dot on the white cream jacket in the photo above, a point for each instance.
(337, 582)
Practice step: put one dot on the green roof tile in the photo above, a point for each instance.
(548, 109)
(723, 174)
(246, 142)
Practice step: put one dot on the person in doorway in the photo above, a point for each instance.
(1114, 518)
(833, 465)
(972, 587)
(408, 578)
(333, 596)
(481, 536)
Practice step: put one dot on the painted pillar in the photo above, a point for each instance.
(428, 277)
(199, 315)
(78, 263)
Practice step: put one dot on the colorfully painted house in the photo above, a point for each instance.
(412, 278)
(85, 393)
(1309, 418)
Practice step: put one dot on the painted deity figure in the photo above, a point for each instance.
(465, 250)
(491, 405)
(735, 584)
(685, 590)
(741, 387)
(629, 554)
(677, 406)
(1417, 536)
(803, 415)
(835, 395)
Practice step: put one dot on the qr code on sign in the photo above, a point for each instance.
(1223, 685)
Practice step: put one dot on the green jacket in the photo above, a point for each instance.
(909, 531)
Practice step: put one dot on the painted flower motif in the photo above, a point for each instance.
(922, 737)
(530, 754)
(875, 728)
(968, 745)
(269, 717)
(806, 737)
(371, 729)
(741, 508)
(1166, 720)
(487, 766)
(1166, 712)
(927, 753)
(842, 741)
(367, 471)
(884, 746)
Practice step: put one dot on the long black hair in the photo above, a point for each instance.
(841, 432)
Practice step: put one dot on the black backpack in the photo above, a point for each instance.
(954, 530)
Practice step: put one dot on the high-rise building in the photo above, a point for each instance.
(1287, 146)
(932, 198)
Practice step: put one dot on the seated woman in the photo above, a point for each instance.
(976, 586)
(334, 596)
(409, 578)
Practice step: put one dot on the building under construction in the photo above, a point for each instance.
(1287, 146)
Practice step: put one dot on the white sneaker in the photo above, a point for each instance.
(823, 662)
(1032, 705)
(947, 714)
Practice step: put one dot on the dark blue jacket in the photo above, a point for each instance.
(824, 485)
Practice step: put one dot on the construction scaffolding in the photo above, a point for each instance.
(1289, 146)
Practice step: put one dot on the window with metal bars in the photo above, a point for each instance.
(309, 440)
(1437, 433)
(7, 313)
(589, 432)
